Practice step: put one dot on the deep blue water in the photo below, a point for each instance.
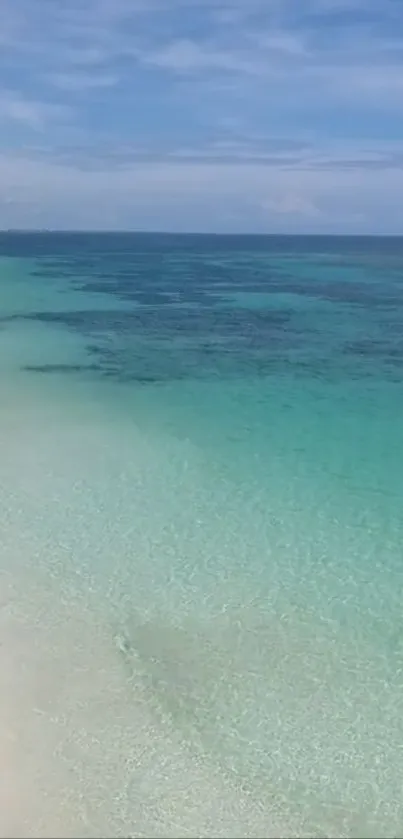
(202, 306)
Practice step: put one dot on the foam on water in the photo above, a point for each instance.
(201, 593)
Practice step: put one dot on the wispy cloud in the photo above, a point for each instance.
(185, 55)
(76, 82)
(292, 204)
(34, 115)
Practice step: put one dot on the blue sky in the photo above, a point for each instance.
(221, 115)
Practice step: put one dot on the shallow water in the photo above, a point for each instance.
(201, 493)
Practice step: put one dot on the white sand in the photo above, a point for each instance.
(81, 752)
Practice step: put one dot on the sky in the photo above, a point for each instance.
(255, 116)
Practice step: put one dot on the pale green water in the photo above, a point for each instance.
(201, 469)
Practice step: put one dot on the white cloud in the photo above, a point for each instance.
(280, 44)
(292, 204)
(77, 82)
(185, 55)
(34, 115)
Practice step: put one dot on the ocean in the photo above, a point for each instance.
(201, 460)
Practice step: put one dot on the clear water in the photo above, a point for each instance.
(201, 494)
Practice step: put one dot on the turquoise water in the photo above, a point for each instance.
(202, 460)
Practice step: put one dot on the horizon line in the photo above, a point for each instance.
(139, 232)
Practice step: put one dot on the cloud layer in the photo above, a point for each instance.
(214, 115)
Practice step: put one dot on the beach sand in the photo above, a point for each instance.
(82, 754)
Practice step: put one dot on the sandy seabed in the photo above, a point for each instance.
(81, 753)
